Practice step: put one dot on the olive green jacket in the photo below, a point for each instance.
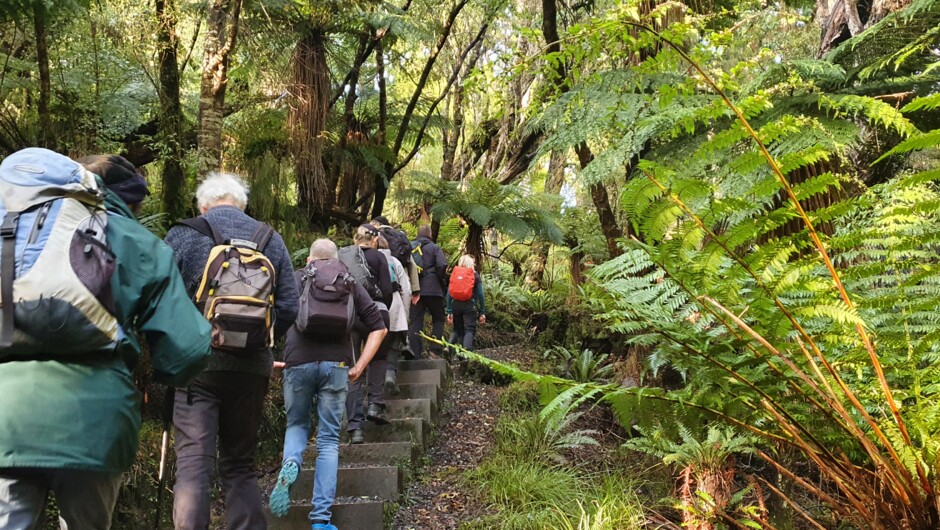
(86, 415)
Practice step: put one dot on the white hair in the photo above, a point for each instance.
(221, 187)
(467, 261)
(323, 249)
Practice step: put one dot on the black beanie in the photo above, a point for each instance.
(119, 176)
(381, 219)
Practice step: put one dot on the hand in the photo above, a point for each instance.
(277, 368)
(450, 319)
(354, 373)
(482, 319)
(415, 298)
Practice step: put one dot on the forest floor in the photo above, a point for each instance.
(440, 497)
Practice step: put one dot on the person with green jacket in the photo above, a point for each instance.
(69, 425)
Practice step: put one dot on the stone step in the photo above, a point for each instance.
(426, 364)
(377, 482)
(421, 391)
(432, 375)
(412, 408)
(388, 453)
(415, 430)
(348, 514)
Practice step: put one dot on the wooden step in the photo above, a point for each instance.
(421, 391)
(386, 453)
(432, 375)
(426, 364)
(377, 482)
(348, 514)
(412, 408)
(414, 430)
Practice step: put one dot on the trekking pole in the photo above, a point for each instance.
(164, 449)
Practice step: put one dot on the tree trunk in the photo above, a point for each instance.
(307, 121)
(220, 43)
(171, 113)
(475, 243)
(344, 175)
(382, 182)
(553, 183)
(46, 133)
(605, 213)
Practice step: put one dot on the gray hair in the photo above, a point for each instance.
(467, 261)
(323, 249)
(221, 187)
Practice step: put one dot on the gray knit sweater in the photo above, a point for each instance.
(191, 250)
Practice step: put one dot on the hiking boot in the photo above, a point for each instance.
(355, 436)
(391, 382)
(321, 526)
(280, 495)
(376, 413)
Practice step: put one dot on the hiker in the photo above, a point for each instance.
(233, 266)
(465, 302)
(399, 246)
(69, 411)
(431, 264)
(397, 314)
(370, 269)
(319, 365)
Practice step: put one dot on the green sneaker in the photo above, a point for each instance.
(280, 495)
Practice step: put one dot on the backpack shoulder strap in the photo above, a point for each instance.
(203, 226)
(7, 275)
(262, 235)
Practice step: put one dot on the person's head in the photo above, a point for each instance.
(120, 177)
(380, 220)
(323, 249)
(381, 243)
(467, 261)
(365, 236)
(221, 189)
(424, 231)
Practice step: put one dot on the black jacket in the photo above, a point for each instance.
(434, 265)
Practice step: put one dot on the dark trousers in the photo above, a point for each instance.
(435, 306)
(375, 377)
(219, 414)
(465, 323)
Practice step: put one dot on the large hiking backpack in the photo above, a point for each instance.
(55, 262)
(355, 260)
(236, 293)
(462, 282)
(327, 304)
(398, 244)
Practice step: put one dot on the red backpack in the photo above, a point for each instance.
(461, 284)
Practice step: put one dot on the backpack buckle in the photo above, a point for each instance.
(8, 228)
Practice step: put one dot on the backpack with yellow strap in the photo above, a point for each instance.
(236, 293)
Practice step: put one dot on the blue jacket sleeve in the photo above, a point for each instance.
(287, 295)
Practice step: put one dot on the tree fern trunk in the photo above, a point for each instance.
(220, 43)
(307, 122)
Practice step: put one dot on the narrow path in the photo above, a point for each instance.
(439, 498)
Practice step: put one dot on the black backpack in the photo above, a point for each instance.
(355, 260)
(327, 306)
(398, 244)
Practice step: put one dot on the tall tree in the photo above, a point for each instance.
(310, 91)
(40, 24)
(220, 44)
(171, 112)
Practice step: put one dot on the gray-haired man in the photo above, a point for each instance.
(220, 413)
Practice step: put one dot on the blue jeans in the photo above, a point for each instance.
(323, 383)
